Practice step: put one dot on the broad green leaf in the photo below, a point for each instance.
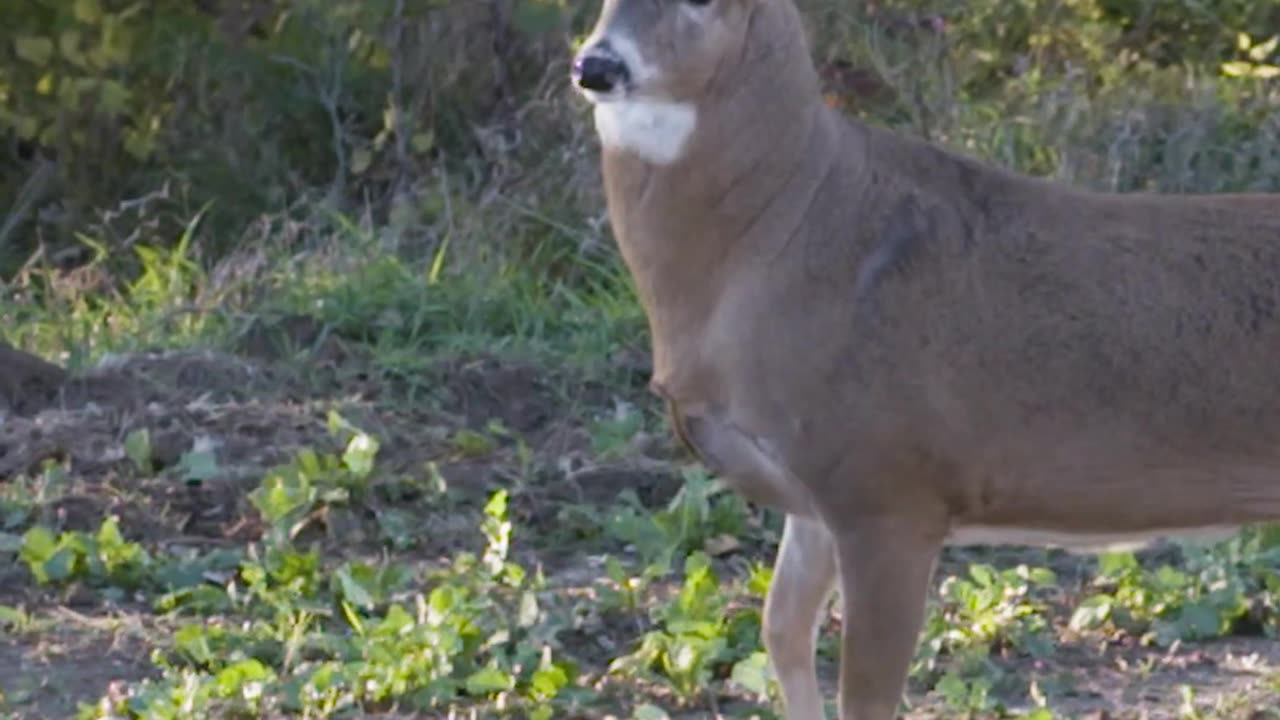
(26, 126)
(1038, 575)
(113, 96)
(69, 47)
(1115, 564)
(423, 142)
(489, 680)
(193, 640)
(137, 446)
(198, 466)
(360, 454)
(109, 537)
(38, 544)
(361, 159)
(243, 679)
(139, 144)
(13, 617)
(547, 682)
(1091, 612)
(59, 566)
(983, 575)
(279, 497)
(88, 12)
(1262, 51)
(472, 443)
(650, 712)
(528, 615)
(1237, 68)
(752, 673)
(35, 50)
(354, 590)
(1199, 620)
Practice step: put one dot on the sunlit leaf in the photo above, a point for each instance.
(489, 680)
(1262, 51)
(360, 453)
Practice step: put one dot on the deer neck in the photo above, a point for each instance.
(740, 184)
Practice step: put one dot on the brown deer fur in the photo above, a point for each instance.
(902, 347)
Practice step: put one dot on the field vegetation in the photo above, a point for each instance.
(322, 388)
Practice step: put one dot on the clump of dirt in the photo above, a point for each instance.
(26, 381)
(186, 401)
(486, 389)
(83, 419)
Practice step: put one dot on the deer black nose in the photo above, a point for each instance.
(601, 72)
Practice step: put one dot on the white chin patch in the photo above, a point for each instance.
(656, 130)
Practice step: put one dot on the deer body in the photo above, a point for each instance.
(901, 347)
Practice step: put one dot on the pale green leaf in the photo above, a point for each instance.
(137, 446)
(489, 680)
(113, 96)
(33, 49)
(88, 12)
(752, 674)
(198, 466)
(360, 454)
(1236, 68)
(650, 712)
(1262, 51)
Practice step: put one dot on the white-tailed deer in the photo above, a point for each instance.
(901, 347)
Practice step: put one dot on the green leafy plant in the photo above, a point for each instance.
(137, 446)
(993, 609)
(701, 510)
(1257, 54)
(1167, 604)
(697, 636)
(289, 495)
(102, 558)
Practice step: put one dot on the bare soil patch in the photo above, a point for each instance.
(75, 659)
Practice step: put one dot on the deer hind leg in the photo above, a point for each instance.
(885, 565)
(803, 579)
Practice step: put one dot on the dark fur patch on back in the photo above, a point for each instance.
(905, 230)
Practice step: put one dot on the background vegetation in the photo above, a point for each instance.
(390, 209)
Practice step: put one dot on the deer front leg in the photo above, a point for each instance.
(885, 565)
(803, 579)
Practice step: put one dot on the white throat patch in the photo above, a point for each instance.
(656, 130)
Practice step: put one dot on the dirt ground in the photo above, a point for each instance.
(254, 410)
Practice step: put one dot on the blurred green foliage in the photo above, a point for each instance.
(252, 102)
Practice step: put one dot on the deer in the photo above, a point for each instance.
(902, 348)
